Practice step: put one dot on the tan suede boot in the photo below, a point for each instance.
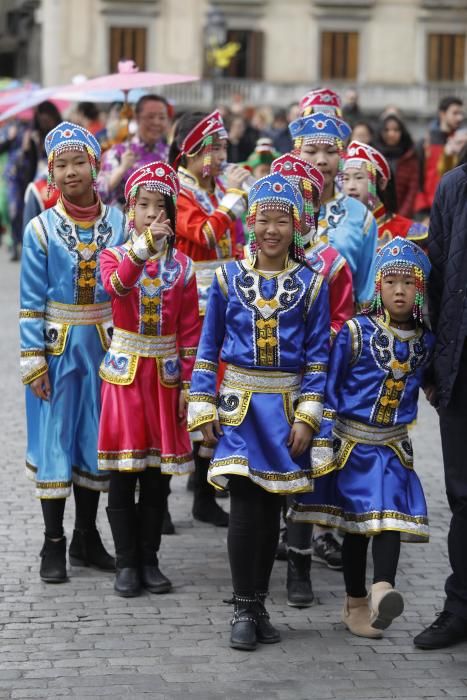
(385, 604)
(356, 617)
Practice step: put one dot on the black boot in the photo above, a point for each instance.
(53, 561)
(168, 528)
(265, 632)
(205, 507)
(243, 634)
(124, 531)
(86, 549)
(299, 590)
(150, 524)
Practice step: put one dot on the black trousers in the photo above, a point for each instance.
(453, 425)
(385, 551)
(253, 535)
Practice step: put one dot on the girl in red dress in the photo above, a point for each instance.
(146, 373)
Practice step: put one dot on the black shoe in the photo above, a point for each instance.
(243, 634)
(446, 630)
(127, 583)
(86, 549)
(154, 580)
(168, 528)
(190, 482)
(53, 561)
(299, 590)
(208, 511)
(328, 550)
(266, 633)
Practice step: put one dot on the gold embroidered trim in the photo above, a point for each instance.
(318, 367)
(187, 352)
(32, 353)
(134, 258)
(148, 239)
(118, 286)
(205, 366)
(273, 382)
(35, 374)
(209, 235)
(354, 431)
(30, 313)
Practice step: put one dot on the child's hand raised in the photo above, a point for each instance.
(160, 227)
(299, 438)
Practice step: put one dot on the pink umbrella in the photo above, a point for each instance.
(130, 77)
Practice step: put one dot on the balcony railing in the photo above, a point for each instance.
(415, 100)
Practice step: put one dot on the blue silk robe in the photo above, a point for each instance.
(347, 225)
(272, 330)
(65, 326)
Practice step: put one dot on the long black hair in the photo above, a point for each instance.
(185, 124)
(406, 140)
(387, 196)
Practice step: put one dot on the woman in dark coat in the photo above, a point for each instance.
(397, 146)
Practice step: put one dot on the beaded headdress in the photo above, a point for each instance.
(276, 192)
(320, 128)
(202, 137)
(300, 172)
(321, 100)
(70, 137)
(359, 154)
(401, 256)
(155, 177)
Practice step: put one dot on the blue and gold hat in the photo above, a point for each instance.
(319, 128)
(70, 137)
(276, 192)
(402, 256)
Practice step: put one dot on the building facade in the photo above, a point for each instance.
(409, 52)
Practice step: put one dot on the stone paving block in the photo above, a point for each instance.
(81, 640)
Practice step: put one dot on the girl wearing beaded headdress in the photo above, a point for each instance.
(378, 363)
(367, 177)
(210, 208)
(146, 373)
(343, 222)
(268, 319)
(65, 325)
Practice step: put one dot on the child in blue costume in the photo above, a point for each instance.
(268, 320)
(344, 223)
(65, 320)
(378, 363)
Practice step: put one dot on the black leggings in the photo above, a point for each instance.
(86, 505)
(385, 550)
(253, 535)
(154, 488)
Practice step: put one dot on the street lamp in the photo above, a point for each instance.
(215, 35)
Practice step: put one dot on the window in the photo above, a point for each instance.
(339, 55)
(127, 43)
(248, 61)
(446, 57)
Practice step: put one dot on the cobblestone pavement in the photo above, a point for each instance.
(80, 640)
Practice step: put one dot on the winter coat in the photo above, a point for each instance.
(447, 248)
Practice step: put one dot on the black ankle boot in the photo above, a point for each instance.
(299, 590)
(86, 549)
(168, 528)
(124, 526)
(243, 634)
(53, 561)
(149, 538)
(265, 632)
(205, 507)
(154, 580)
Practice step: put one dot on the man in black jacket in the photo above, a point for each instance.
(447, 246)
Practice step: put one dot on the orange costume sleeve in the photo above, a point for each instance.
(204, 236)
